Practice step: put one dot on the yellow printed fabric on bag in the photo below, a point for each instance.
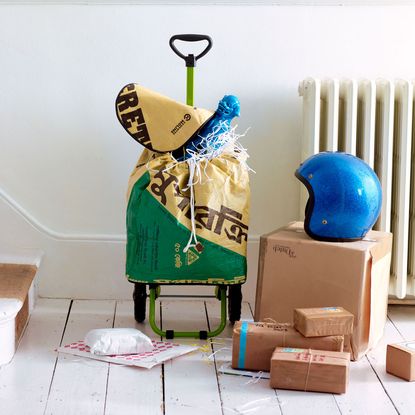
(155, 121)
(159, 221)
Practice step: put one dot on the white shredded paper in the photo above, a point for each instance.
(162, 352)
(229, 370)
(208, 148)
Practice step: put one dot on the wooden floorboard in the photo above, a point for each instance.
(39, 382)
(403, 318)
(190, 383)
(310, 403)
(239, 394)
(363, 382)
(132, 390)
(25, 382)
(399, 327)
(79, 384)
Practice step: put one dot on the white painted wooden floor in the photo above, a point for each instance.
(39, 381)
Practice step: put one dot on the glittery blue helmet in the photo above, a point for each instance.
(345, 196)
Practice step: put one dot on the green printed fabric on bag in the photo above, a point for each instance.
(155, 243)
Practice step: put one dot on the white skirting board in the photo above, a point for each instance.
(90, 267)
(87, 269)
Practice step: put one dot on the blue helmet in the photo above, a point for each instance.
(345, 196)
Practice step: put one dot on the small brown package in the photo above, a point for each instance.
(400, 360)
(254, 343)
(323, 321)
(310, 370)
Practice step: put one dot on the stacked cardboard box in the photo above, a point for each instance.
(323, 321)
(254, 343)
(310, 370)
(306, 356)
(296, 271)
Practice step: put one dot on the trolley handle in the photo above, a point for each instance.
(191, 59)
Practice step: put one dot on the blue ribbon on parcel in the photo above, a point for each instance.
(242, 344)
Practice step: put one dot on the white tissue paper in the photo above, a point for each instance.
(118, 341)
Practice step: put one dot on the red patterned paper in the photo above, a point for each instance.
(162, 352)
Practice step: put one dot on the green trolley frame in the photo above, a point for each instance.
(224, 293)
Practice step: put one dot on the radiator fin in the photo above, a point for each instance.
(373, 119)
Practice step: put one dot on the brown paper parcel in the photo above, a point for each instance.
(323, 321)
(400, 360)
(254, 343)
(157, 122)
(310, 370)
(296, 271)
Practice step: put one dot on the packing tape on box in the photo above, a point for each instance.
(242, 344)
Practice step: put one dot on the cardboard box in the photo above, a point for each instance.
(323, 321)
(296, 271)
(254, 343)
(15, 282)
(310, 370)
(400, 360)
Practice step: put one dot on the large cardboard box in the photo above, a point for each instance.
(309, 370)
(254, 343)
(296, 271)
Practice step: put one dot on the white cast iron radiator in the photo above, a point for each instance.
(374, 121)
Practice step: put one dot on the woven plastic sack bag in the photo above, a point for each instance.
(178, 233)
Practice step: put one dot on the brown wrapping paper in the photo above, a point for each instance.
(296, 271)
(253, 350)
(400, 360)
(155, 121)
(310, 370)
(323, 321)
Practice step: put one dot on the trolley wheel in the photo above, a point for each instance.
(139, 297)
(218, 293)
(234, 302)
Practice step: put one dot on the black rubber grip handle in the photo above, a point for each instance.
(190, 59)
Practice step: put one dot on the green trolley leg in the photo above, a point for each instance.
(203, 334)
(223, 316)
(152, 314)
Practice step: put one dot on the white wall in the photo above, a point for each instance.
(65, 158)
